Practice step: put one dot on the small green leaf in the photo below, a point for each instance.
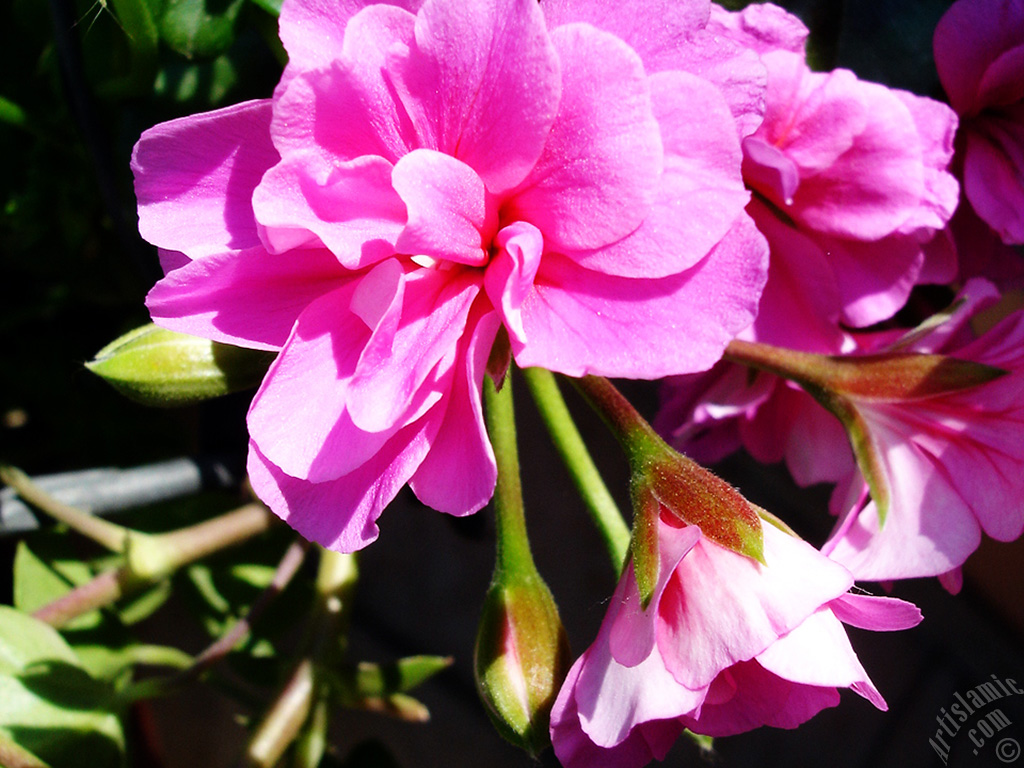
(903, 376)
(36, 584)
(200, 28)
(155, 366)
(398, 677)
(49, 705)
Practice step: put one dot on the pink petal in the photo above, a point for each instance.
(414, 351)
(578, 321)
(353, 210)
(761, 698)
(698, 640)
(447, 208)
(646, 742)
(633, 630)
(598, 173)
(481, 84)
(214, 297)
(195, 176)
(818, 653)
(462, 448)
(971, 35)
(510, 273)
(881, 614)
(993, 171)
(313, 31)
(762, 27)
(307, 110)
(701, 192)
(630, 21)
(1002, 84)
(341, 514)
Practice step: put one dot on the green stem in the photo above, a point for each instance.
(585, 475)
(636, 436)
(103, 532)
(283, 723)
(513, 554)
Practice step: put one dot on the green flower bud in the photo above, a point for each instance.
(155, 366)
(521, 658)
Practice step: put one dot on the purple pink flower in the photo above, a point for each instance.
(428, 178)
(979, 53)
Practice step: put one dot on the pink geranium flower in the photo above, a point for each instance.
(426, 179)
(726, 645)
(952, 462)
(979, 53)
(851, 187)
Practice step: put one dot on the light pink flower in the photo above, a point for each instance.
(953, 463)
(851, 187)
(979, 53)
(423, 177)
(726, 645)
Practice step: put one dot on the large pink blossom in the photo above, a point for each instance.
(429, 177)
(851, 187)
(979, 53)
(726, 645)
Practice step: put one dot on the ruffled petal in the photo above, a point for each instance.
(195, 176)
(481, 83)
(248, 298)
(578, 321)
(598, 173)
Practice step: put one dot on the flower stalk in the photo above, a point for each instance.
(570, 446)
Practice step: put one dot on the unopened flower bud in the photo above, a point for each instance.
(521, 658)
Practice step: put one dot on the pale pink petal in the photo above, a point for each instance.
(968, 38)
(818, 653)
(701, 192)
(341, 514)
(481, 83)
(306, 112)
(447, 208)
(598, 174)
(461, 448)
(698, 639)
(214, 297)
(633, 632)
(578, 321)
(406, 357)
(761, 698)
(993, 173)
(352, 210)
(631, 22)
(881, 614)
(648, 741)
(510, 273)
(195, 176)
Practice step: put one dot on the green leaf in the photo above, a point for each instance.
(36, 584)
(399, 676)
(49, 705)
(643, 545)
(200, 28)
(155, 366)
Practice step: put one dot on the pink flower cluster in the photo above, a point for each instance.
(428, 178)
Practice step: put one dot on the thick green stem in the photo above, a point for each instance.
(513, 546)
(103, 532)
(285, 719)
(631, 429)
(585, 474)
